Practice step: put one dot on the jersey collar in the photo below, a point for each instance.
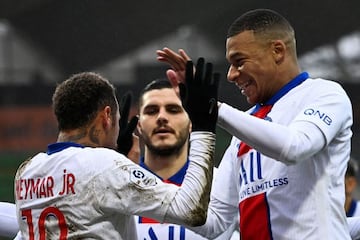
(177, 178)
(59, 146)
(284, 90)
(351, 211)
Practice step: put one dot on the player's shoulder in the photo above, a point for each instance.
(325, 89)
(94, 158)
(322, 84)
(102, 155)
(106, 152)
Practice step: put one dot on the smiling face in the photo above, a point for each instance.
(253, 66)
(163, 122)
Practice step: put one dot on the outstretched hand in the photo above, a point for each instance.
(125, 140)
(199, 95)
(177, 62)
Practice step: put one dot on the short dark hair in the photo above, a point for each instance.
(155, 84)
(261, 21)
(77, 100)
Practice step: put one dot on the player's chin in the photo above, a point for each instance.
(164, 150)
(164, 143)
(163, 138)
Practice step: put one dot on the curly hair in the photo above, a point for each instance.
(77, 100)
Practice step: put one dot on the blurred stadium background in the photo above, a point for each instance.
(42, 42)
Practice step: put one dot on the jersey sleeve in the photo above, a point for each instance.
(136, 191)
(222, 216)
(8, 222)
(354, 227)
(331, 111)
(317, 123)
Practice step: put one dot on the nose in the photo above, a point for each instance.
(233, 73)
(162, 115)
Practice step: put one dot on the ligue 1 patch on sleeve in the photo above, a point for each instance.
(142, 178)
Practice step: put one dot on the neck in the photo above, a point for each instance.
(347, 203)
(78, 136)
(166, 166)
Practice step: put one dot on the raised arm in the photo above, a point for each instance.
(199, 96)
(177, 63)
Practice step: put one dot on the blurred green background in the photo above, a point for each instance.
(8, 164)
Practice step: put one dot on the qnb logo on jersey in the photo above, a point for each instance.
(324, 117)
(142, 178)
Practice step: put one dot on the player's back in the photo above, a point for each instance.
(61, 193)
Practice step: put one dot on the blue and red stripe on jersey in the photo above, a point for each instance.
(176, 179)
(261, 110)
(254, 211)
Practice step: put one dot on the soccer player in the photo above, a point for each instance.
(164, 127)
(285, 166)
(81, 187)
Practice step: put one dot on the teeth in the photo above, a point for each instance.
(243, 86)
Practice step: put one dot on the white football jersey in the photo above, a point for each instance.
(75, 192)
(149, 229)
(8, 222)
(284, 187)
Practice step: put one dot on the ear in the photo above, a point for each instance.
(139, 126)
(107, 118)
(278, 51)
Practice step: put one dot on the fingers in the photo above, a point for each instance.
(189, 74)
(216, 79)
(133, 123)
(125, 105)
(134, 153)
(172, 77)
(182, 92)
(184, 55)
(175, 80)
(208, 73)
(175, 60)
(199, 70)
(212, 103)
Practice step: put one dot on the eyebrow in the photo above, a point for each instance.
(166, 106)
(233, 55)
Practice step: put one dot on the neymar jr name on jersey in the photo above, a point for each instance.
(31, 188)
